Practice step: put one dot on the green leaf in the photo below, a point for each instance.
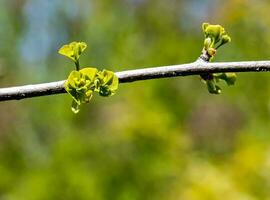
(229, 78)
(214, 32)
(81, 85)
(73, 50)
(225, 39)
(71, 84)
(107, 83)
(215, 37)
(212, 87)
(89, 73)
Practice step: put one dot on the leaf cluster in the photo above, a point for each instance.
(81, 84)
(215, 37)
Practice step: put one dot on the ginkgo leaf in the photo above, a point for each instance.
(73, 50)
(229, 78)
(80, 85)
(71, 85)
(89, 73)
(212, 87)
(108, 83)
(214, 31)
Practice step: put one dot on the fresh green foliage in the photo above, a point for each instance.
(73, 51)
(106, 83)
(229, 78)
(215, 37)
(81, 84)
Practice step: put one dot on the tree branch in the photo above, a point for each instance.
(199, 67)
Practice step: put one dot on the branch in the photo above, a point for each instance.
(201, 66)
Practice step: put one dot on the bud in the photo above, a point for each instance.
(230, 78)
(225, 39)
(211, 51)
(214, 32)
(212, 87)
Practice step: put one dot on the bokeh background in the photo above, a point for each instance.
(160, 139)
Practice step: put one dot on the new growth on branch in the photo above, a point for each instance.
(82, 83)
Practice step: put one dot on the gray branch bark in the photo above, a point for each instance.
(201, 66)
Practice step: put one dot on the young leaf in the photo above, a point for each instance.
(229, 78)
(215, 32)
(215, 37)
(81, 84)
(212, 87)
(71, 85)
(224, 39)
(89, 73)
(73, 50)
(107, 82)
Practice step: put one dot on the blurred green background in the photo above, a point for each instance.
(160, 139)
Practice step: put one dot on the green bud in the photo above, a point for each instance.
(211, 51)
(214, 32)
(230, 78)
(224, 39)
(215, 36)
(212, 87)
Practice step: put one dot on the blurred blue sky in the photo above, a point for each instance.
(45, 28)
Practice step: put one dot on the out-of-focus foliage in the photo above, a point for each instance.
(159, 139)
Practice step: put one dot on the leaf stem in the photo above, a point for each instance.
(77, 64)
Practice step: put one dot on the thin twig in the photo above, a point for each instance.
(201, 66)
